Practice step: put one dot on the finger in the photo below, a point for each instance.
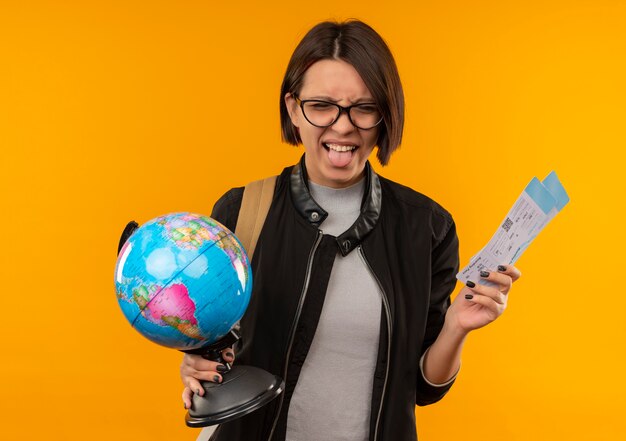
(187, 394)
(228, 355)
(199, 364)
(511, 271)
(194, 386)
(494, 307)
(487, 291)
(503, 281)
(213, 376)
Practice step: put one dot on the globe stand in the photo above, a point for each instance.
(243, 389)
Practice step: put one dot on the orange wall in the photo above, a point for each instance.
(119, 110)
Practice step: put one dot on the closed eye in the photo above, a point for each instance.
(321, 106)
(366, 108)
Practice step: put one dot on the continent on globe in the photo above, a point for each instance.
(173, 307)
(190, 231)
(142, 295)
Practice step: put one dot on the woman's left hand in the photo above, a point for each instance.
(478, 305)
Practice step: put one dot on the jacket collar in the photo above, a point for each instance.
(310, 210)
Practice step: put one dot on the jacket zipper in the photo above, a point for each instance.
(389, 328)
(294, 326)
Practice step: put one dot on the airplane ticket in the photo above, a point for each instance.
(538, 204)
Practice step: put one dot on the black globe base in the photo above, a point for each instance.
(243, 389)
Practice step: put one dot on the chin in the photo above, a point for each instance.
(341, 178)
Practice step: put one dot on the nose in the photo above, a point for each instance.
(343, 124)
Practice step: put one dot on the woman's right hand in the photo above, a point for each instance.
(194, 368)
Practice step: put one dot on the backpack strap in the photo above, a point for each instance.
(257, 198)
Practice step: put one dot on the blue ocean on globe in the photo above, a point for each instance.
(183, 280)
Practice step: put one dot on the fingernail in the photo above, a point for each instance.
(484, 274)
(216, 378)
(221, 368)
(469, 296)
(501, 268)
(198, 391)
(470, 284)
(185, 406)
(230, 354)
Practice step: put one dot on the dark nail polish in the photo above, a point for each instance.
(484, 274)
(470, 284)
(197, 391)
(230, 354)
(469, 296)
(221, 368)
(501, 268)
(185, 406)
(216, 378)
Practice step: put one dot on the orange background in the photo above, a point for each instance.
(119, 110)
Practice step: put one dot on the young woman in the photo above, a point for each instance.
(353, 272)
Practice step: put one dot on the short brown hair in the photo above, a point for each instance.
(358, 44)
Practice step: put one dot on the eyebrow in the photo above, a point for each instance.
(332, 100)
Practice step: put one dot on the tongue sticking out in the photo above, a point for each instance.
(339, 159)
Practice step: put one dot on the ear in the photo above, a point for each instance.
(292, 108)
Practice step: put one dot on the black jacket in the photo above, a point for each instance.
(409, 243)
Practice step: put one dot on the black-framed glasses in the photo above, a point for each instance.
(322, 114)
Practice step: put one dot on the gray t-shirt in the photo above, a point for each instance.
(332, 399)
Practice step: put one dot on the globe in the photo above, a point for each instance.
(183, 280)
